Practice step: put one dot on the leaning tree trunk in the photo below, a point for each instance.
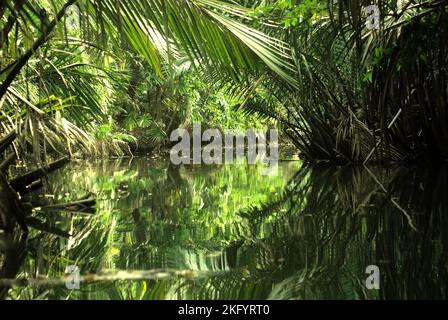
(12, 210)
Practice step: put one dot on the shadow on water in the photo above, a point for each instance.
(306, 233)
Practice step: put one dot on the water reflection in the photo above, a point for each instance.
(308, 233)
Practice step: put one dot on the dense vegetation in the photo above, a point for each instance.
(233, 234)
(109, 77)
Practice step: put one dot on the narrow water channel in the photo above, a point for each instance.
(226, 232)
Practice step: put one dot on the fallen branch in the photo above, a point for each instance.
(42, 226)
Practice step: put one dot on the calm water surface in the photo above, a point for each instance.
(227, 232)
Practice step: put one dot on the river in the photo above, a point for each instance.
(160, 231)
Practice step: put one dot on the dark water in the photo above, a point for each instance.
(228, 232)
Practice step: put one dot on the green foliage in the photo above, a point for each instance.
(292, 13)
